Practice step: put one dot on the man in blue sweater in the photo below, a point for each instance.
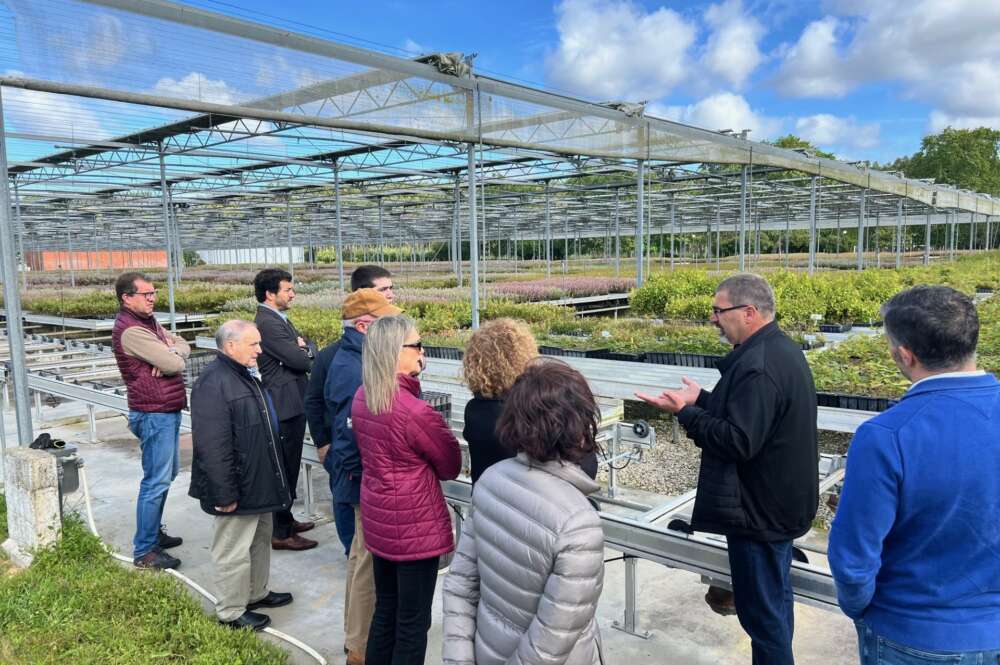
(915, 546)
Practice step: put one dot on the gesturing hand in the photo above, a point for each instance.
(227, 509)
(673, 401)
(156, 372)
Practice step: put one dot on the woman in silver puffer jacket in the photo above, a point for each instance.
(524, 584)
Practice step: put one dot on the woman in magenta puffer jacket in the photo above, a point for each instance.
(406, 450)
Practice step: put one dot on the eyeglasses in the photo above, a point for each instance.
(148, 295)
(720, 310)
(419, 346)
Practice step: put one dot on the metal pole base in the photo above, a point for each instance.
(628, 625)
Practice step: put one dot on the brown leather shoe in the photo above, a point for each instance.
(355, 658)
(721, 601)
(302, 526)
(294, 542)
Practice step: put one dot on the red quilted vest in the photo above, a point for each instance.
(152, 394)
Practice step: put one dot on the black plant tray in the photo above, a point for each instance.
(683, 359)
(853, 402)
(446, 352)
(620, 356)
(835, 327)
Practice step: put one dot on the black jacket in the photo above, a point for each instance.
(284, 364)
(320, 426)
(235, 439)
(481, 416)
(757, 432)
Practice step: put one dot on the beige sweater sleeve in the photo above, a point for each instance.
(182, 348)
(145, 345)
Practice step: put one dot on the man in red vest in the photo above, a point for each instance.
(151, 362)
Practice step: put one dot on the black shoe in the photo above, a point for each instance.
(156, 560)
(166, 541)
(251, 620)
(272, 599)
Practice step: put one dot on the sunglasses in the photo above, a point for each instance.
(419, 346)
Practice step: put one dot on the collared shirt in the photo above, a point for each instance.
(273, 309)
(948, 375)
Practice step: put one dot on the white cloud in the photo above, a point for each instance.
(198, 87)
(812, 65)
(617, 50)
(724, 110)
(102, 44)
(731, 51)
(34, 112)
(416, 48)
(829, 131)
(943, 52)
(940, 120)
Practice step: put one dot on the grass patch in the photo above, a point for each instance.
(76, 604)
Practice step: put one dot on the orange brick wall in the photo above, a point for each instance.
(83, 260)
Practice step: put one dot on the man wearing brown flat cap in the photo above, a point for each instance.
(343, 461)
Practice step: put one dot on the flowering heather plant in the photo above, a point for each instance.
(555, 288)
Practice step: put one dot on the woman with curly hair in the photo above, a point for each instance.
(497, 354)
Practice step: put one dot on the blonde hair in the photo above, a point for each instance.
(496, 355)
(379, 356)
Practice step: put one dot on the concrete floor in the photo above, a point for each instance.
(683, 631)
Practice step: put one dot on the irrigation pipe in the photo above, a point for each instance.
(187, 580)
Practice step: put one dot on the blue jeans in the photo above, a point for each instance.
(877, 650)
(762, 592)
(158, 439)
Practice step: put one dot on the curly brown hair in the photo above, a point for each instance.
(496, 355)
(550, 414)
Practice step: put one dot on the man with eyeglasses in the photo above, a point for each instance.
(758, 482)
(151, 361)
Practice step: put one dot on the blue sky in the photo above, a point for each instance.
(865, 79)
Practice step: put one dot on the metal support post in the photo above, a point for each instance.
(288, 234)
(989, 232)
(337, 218)
(91, 424)
(812, 224)
(673, 228)
(38, 407)
(861, 232)
(718, 238)
(640, 180)
(972, 231)
(473, 237)
(12, 300)
(565, 261)
(165, 195)
(69, 247)
(381, 234)
(548, 232)
(618, 237)
(899, 234)
(628, 625)
(743, 218)
(927, 240)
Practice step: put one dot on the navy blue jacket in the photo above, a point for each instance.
(320, 426)
(343, 378)
(915, 545)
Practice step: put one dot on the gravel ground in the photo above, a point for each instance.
(672, 468)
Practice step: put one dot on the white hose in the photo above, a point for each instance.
(183, 578)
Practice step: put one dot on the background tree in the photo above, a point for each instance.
(966, 158)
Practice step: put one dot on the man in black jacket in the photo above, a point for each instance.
(758, 482)
(284, 364)
(317, 414)
(237, 476)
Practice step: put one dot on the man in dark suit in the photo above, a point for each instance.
(284, 363)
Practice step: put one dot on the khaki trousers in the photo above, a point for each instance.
(241, 554)
(359, 596)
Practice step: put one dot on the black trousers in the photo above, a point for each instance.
(404, 591)
(762, 592)
(293, 431)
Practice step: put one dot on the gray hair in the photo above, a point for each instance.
(380, 354)
(748, 289)
(230, 331)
